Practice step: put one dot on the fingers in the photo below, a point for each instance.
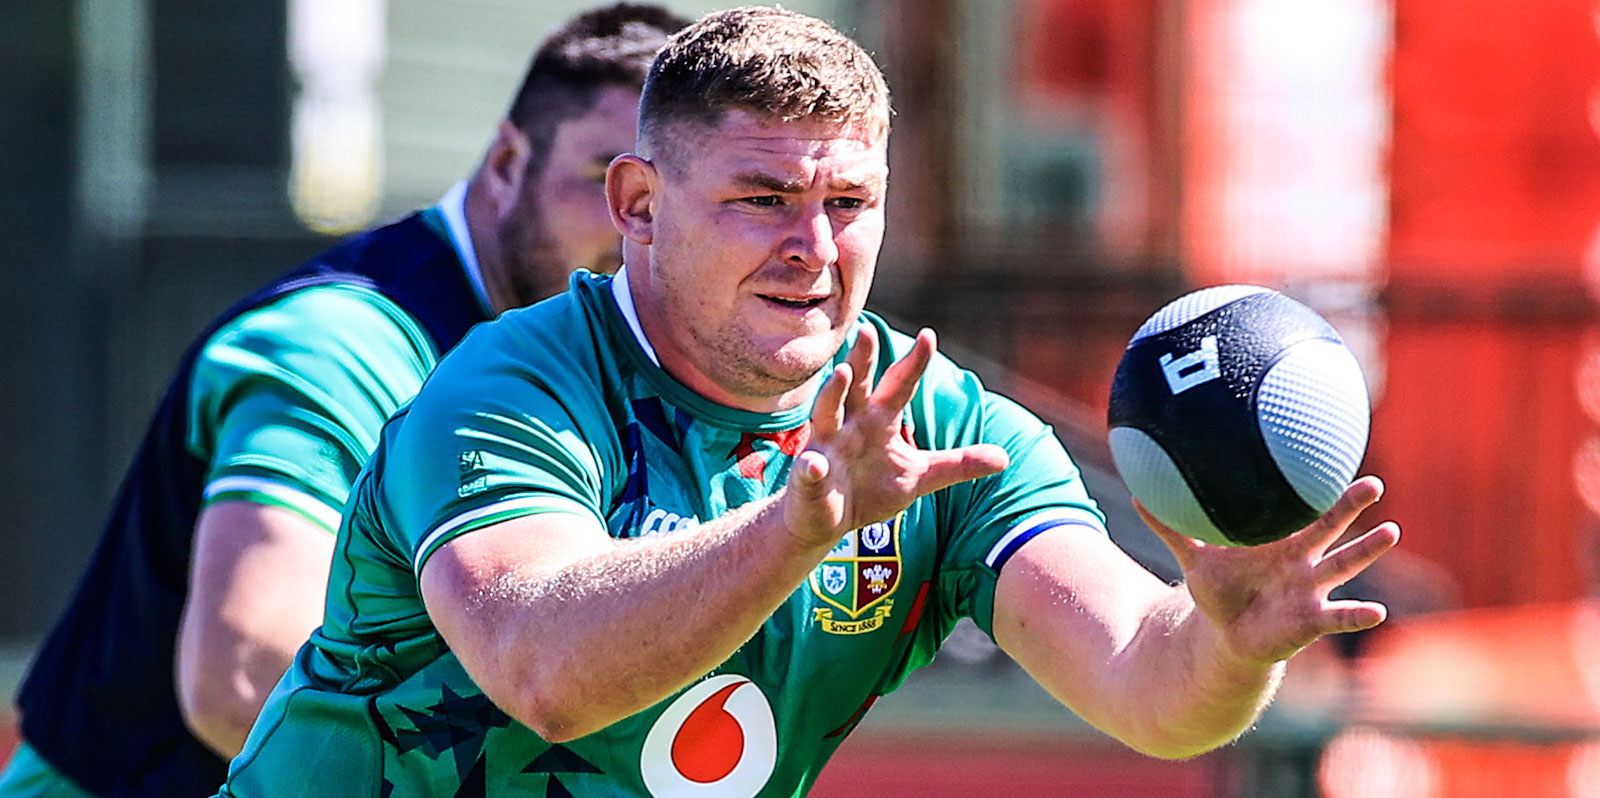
(861, 358)
(946, 467)
(899, 381)
(1184, 548)
(1361, 494)
(854, 395)
(1340, 617)
(846, 390)
(1342, 564)
(827, 414)
(809, 474)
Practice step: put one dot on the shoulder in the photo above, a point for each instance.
(335, 321)
(317, 311)
(332, 345)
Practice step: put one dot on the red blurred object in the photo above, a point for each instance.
(959, 768)
(9, 738)
(1475, 437)
(1495, 198)
(1367, 763)
(1532, 666)
(1484, 702)
(1495, 167)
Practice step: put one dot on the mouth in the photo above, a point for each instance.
(794, 302)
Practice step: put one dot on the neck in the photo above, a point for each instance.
(696, 381)
(486, 245)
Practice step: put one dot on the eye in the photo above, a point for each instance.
(764, 201)
(849, 203)
(595, 171)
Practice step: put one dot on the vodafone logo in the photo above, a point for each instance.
(717, 739)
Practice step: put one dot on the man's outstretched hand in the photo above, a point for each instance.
(1271, 600)
(860, 467)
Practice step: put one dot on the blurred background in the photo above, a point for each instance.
(1425, 173)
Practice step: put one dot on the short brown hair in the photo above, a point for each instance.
(592, 52)
(770, 61)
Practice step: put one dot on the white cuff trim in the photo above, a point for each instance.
(530, 504)
(1011, 541)
(305, 503)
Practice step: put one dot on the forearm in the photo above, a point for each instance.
(1178, 689)
(572, 647)
(1126, 652)
(223, 685)
(1243, 612)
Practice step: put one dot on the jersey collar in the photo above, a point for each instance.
(453, 207)
(624, 298)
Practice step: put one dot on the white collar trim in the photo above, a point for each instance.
(624, 298)
(453, 206)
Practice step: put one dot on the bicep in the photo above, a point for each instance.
(475, 585)
(258, 573)
(1066, 604)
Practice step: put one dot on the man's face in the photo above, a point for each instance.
(763, 245)
(560, 222)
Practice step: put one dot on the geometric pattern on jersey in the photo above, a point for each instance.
(567, 413)
(455, 724)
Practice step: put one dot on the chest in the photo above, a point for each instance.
(846, 625)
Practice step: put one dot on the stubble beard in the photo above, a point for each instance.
(737, 362)
(533, 266)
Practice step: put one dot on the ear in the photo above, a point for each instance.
(631, 186)
(505, 166)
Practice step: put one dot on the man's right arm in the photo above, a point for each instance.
(285, 402)
(568, 630)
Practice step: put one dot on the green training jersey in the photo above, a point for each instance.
(287, 399)
(560, 408)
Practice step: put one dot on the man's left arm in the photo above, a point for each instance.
(285, 402)
(256, 590)
(1174, 671)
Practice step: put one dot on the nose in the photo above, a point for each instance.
(809, 243)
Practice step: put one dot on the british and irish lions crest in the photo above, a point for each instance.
(857, 580)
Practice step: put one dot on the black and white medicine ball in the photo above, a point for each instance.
(1238, 415)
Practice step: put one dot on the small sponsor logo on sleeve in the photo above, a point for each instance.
(474, 476)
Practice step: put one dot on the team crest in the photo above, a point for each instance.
(857, 580)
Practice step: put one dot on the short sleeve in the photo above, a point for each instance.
(492, 437)
(286, 400)
(991, 518)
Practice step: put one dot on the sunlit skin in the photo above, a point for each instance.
(751, 246)
(558, 221)
(760, 251)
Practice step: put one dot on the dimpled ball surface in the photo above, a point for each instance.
(1237, 415)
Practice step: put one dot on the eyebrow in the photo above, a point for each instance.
(779, 185)
(769, 182)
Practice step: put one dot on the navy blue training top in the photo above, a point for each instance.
(99, 702)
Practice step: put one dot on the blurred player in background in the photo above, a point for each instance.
(673, 532)
(218, 546)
